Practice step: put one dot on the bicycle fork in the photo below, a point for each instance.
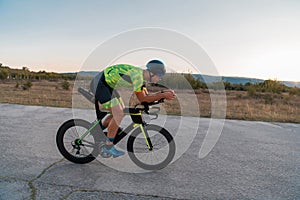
(146, 136)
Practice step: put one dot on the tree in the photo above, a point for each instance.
(272, 86)
(25, 69)
(228, 85)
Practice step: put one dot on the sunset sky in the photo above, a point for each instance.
(247, 38)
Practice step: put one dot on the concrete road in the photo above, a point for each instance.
(252, 160)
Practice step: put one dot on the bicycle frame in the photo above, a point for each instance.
(122, 134)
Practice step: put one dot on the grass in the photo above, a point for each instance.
(259, 107)
(44, 93)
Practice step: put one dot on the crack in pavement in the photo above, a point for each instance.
(14, 178)
(118, 193)
(74, 189)
(78, 189)
(30, 182)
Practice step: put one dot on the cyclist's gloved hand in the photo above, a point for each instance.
(169, 94)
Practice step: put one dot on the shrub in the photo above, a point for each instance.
(65, 85)
(272, 86)
(269, 99)
(294, 91)
(286, 99)
(27, 85)
(3, 74)
(251, 90)
(228, 86)
(239, 96)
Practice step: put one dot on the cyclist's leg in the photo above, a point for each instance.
(116, 100)
(105, 95)
(116, 107)
(111, 101)
(113, 126)
(106, 121)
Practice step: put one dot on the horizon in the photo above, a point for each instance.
(92, 71)
(258, 39)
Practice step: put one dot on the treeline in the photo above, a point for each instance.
(187, 81)
(25, 74)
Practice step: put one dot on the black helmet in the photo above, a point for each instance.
(156, 67)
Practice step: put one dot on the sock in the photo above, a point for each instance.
(110, 139)
(109, 146)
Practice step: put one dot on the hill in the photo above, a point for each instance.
(239, 80)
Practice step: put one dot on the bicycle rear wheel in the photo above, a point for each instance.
(69, 145)
(159, 156)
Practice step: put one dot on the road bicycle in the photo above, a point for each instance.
(149, 146)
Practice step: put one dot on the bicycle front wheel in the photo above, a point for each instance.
(157, 157)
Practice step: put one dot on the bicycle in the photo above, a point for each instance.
(149, 146)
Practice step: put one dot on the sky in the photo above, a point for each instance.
(245, 38)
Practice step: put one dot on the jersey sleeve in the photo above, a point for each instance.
(137, 80)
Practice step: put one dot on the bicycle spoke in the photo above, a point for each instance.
(90, 146)
(69, 136)
(71, 150)
(91, 143)
(75, 132)
(68, 141)
(84, 152)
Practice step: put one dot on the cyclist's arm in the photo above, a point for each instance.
(143, 96)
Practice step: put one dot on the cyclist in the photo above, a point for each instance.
(104, 87)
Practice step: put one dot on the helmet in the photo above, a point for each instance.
(156, 67)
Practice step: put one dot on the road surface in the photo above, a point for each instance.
(251, 160)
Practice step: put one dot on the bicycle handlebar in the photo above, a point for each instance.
(147, 104)
(152, 103)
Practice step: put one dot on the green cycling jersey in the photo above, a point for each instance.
(123, 75)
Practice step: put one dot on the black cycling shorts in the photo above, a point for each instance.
(106, 95)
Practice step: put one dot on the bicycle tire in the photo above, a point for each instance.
(160, 131)
(61, 135)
